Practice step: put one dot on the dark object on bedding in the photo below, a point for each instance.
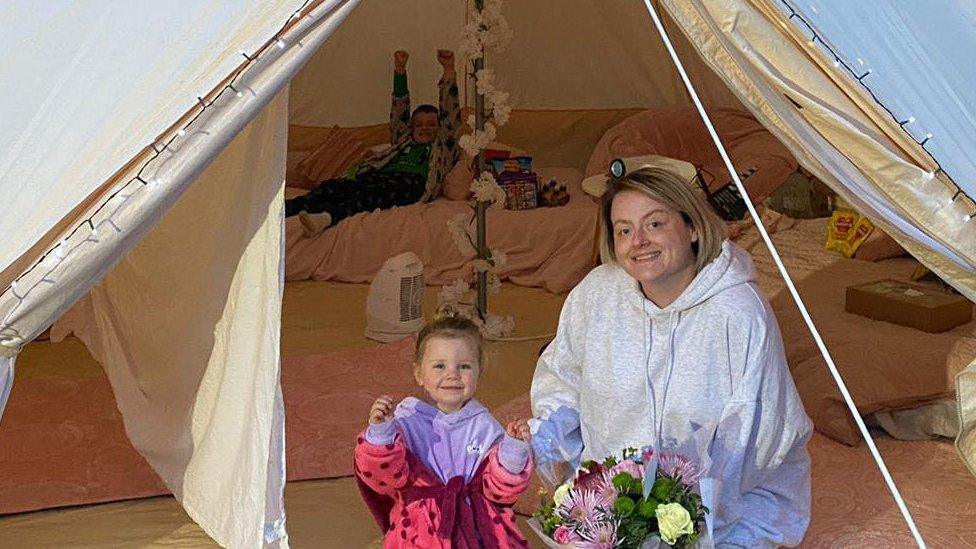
(728, 202)
(802, 196)
(908, 304)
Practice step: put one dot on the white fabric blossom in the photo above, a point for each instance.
(477, 141)
(486, 189)
(500, 259)
(494, 283)
(481, 265)
(485, 81)
(452, 294)
(498, 326)
(458, 227)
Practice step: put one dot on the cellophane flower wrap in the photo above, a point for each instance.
(636, 500)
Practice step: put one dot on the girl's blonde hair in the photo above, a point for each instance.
(671, 190)
(451, 327)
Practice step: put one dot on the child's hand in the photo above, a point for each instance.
(400, 60)
(381, 411)
(519, 429)
(446, 59)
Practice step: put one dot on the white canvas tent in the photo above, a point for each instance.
(184, 240)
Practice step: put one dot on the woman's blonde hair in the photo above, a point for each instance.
(667, 188)
(451, 327)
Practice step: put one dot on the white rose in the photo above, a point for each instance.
(562, 493)
(673, 521)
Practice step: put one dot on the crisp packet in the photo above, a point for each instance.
(839, 230)
(862, 229)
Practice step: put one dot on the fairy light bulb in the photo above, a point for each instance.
(280, 43)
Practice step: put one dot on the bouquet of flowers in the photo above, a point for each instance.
(638, 501)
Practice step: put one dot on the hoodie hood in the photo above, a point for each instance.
(732, 267)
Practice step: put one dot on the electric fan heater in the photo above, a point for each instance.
(394, 306)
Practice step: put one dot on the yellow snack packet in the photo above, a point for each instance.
(862, 229)
(839, 230)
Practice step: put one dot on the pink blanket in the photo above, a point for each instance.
(552, 248)
(678, 132)
(63, 442)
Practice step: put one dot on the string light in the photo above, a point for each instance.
(838, 62)
(59, 249)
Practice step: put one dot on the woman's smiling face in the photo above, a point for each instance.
(652, 243)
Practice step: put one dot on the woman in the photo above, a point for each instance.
(669, 336)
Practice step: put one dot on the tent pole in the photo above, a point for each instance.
(481, 207)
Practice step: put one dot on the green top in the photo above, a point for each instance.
(400, 85)
(412, 158)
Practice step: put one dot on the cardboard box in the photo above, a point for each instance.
(521, 190)
(906, 304)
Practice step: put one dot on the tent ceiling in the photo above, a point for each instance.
(77, 79)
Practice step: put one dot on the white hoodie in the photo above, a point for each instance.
(639, 375)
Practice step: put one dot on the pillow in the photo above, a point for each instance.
(879, 246)
(338, 151)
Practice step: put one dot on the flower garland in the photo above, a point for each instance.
(487, 29)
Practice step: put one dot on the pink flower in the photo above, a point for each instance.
(582, 507)
(601, 536)
(675, 465)
(564, 535)
(647, 453)
(628, 466)
(606, 494)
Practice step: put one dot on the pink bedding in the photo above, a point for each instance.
(63, 442)
(678, 132)
(552, 248)
(885, 366)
